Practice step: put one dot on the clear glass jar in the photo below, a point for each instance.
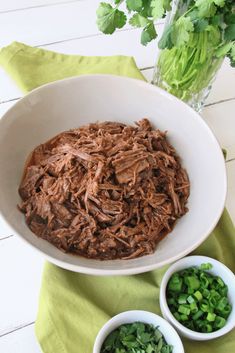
(188, 71)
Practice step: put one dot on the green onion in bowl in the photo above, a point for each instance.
(197, 296)
(198, 299)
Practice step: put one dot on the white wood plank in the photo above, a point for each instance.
(220, 118)
(148, 74)
(117, 44)
(8, 88)
(230, 202)
(5, 106)
(43, 25)
(21, 341)
(16, 5)
(37, 26)
(20, 272)
(224, 85)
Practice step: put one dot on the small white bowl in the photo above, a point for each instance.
(217, 269)
(169, 333)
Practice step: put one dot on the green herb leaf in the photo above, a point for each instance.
(134, 5)
(180, 32)
(149, 349)
(148, 33)
(138, 20)
(230, 18)
(219, 3)
(159, 8)
(214, 35)
(230, 32)
(206, 8)
(231, 55)
(165, 42)
(109, 18)
(200, 25)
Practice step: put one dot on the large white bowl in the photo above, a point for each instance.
(73, 102)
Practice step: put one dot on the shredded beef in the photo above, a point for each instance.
(105, 190)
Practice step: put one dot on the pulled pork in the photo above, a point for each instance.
(104, 191)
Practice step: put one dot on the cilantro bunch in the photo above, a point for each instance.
(198, 16)
(141, 13)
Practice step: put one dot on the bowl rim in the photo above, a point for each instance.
(163, 303)
(141, 268)
(125, 318)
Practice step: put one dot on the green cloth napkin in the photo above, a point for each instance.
(72, 306)
(32, 67)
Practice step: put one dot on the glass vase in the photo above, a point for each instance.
(188, 71)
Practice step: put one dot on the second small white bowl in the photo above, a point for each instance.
(218, 269)
(169, 333)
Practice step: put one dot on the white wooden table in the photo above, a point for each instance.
(69, 26)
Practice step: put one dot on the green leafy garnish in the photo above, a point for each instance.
(148, 33)
(109, 18)
(136, 337)
(180, 33)
(199, 36)
(138, 20)
(232, 55)
(134, 5)
(206, 8)
(159, 8)
(230, 32)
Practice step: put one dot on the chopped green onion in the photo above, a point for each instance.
(205, 267)
(192, 282)
(198, 295)
(177, 316)
(204, 307)
(222, 304)
(204, 280)
(199, 299)
(197, 315)
(190, 299)
(212, 302)
(219, 322)
(206, 293)
(220, 281)
(211, 317)
(184, 317)
(182, 299)
(171, 301)
(183, 309)
(208, 328)
(193, 307)
(227, 310)
(175, 284)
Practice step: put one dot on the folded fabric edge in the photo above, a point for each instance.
(45, 330)
(38, 57)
